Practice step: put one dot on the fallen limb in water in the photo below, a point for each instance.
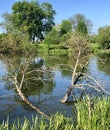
(70, 89)
(91, 83)
(77, 53)
(29, 103)
(18, 77)
(79, 46)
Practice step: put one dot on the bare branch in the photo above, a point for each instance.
(80, 50)
(23, 72)
(36, 70)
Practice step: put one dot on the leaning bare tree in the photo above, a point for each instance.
(21, 76)
(80, 50)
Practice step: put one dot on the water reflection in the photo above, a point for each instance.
(98, 68)
(31, 86)
(47, 94)
(103, 63)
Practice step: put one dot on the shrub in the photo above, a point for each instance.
(53, 37)
(104, 37)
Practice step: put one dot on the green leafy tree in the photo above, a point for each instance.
(53, 37)
(31, 17)
(48, 16)
(66, 27)
(81, 28)
(7, 22)
(104, 37)
(93, 38)
(79, 19)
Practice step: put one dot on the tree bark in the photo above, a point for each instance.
(29, 103)
(18, 88)
(70, 89)
(75, 79)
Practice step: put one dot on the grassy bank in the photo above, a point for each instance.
(97, 49)
(96, 117)
(61, 49)
(52, 49)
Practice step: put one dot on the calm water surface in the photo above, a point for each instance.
(47, 97)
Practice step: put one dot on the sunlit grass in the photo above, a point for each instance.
(95, 47)
(52, 49)
(96, 118)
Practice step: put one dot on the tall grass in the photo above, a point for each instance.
(96, 118)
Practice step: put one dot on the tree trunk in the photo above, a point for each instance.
(70, 89)
(29, 103)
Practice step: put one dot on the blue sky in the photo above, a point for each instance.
(98, 11)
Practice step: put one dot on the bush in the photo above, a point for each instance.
(53, 37)
(95, 47)
(13, 43)
(104, 37)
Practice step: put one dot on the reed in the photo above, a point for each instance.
(95, 118)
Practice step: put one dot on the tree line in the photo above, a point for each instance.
(31, 22)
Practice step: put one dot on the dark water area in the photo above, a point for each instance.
(47, 96)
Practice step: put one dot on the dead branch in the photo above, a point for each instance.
(77, 44)
(24, 72)
(29, 103)
(80, 48)
(70, 89)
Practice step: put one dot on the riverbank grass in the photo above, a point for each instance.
(95, 118)
(97, 49)
(52, 49)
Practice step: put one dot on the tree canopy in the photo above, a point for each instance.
(82, 28)
(80, 20)
(48, 16)
(32, 17)
(53, 37)
(104, 37)
(66, 27)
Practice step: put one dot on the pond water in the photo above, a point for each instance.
(47, 96)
